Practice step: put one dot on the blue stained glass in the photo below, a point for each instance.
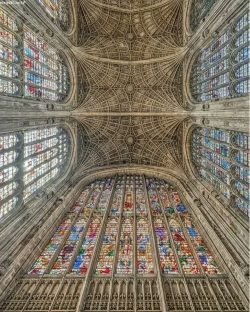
(210, 78)
(217, 161)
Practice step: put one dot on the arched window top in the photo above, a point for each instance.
(126, 216)
(199, 10)
(221, 157)
(29, 160)
(46, 76)
(221, 70)
(58, 10)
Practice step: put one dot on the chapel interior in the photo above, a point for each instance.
(124, 155)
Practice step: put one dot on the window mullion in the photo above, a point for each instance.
(155, 248)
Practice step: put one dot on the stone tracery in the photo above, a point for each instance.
(132, 113)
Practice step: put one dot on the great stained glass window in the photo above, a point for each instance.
(221, 70)
(116, 226)
(222, 159)
(46, 76)
(199, 10)
(29, 160)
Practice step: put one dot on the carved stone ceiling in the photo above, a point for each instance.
(131, 56)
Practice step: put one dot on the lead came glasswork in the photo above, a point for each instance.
(85, 253)
(144, 249)
(107, 254)
(101, 192)
(221, 70)
(9, 73)
(180, 246)
(140, 198)
(168, 262)
(222, 158)
(44, 72)
(125, 256)
(33, 157)
(42, 263)
(46, 77)
(8, 172)
(204, 255)
(184, 252)
(58, 10)
(44, 152)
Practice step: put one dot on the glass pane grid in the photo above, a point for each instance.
(92, 221)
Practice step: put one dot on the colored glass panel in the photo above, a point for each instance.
(140, 197)
(168, 262)
(184, 252)
(107, 254)
(205, 257)
(58, 10)
(8, 172)
(222, 158)
(45, 151)
(101, 192)
(105, 196)
(116, 205)
(9, 72)
(63, 260)
(72, 247)
(203, 253)
(220, 72)
(125, 257)
(44, 72)
(141, 207)
(42, 263)
(39, 153)
(129, 198)
(165, 200)
(144, 250)
(153, 198)
(86, 250)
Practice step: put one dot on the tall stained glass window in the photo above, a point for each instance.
(222, 159)
(58, 10)
(112, 229)
(199, 10)
(28, 161)
(221, 69)
(9, 55)
(46, 76)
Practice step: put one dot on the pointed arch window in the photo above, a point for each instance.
(46, 76)
(28, 161)
(199, 10)
(221, 70)
(222, 159)
(126, 235)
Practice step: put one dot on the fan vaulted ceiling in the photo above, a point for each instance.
(131, 56)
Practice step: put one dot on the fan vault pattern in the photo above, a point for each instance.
(138, 140)
(131, 55)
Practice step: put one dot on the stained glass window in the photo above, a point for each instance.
(222, 159)
(8, 171)
(33, 157)
(221, 69)
(58, 10)
(9, 73)
(199, 10)
(45, 74)
(110, 221)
